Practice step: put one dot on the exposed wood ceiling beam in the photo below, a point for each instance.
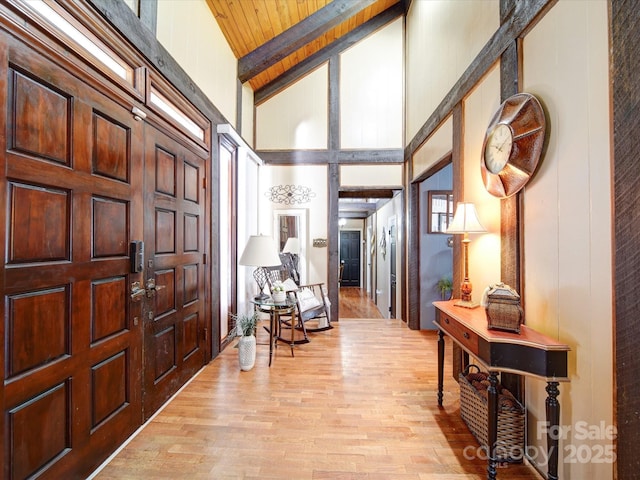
(363, 214)
(292, 157)
(326, 53)
(298, 36)
(352, 206)
(391, 155)
(365, 193)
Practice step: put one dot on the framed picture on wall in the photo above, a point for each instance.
(440, 206)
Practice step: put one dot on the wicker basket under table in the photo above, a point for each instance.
(475, 412)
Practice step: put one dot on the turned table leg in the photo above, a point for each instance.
(492, 439)
(440, 366)
(272, 333)
(553, 420)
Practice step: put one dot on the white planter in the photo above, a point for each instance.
(247, 352)
(279, 297)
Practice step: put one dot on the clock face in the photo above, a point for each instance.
(498, 148)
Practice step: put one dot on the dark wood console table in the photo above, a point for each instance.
(528, 353)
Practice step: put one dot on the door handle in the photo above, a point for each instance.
(137, 292)
(152, 288)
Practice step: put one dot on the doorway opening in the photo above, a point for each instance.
(372, 212)
(435, 246)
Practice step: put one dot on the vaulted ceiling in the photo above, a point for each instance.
(275, 41)
(271, 37)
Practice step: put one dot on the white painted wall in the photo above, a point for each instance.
(190, 33)
(314, 177)
(371, 100)
(248, 224)
(484, 249)
(443, 38)
(439, 143)
(131, 4)
(393, 208)
(371, 89)
(247, 115)
(567, 217)
(371, 176)
(297, 117)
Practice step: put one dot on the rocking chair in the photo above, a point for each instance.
(312, 302)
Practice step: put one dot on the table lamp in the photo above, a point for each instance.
(292, 246)
(260, 252)
(465, 221)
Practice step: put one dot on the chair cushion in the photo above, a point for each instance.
(307, 300)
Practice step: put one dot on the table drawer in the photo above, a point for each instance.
(466, 337)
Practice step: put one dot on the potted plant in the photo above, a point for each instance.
(278, 292)
(445, 286)
(245, 328)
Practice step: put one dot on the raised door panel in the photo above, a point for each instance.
(38, 329)
(71, 178)
(174, 231)
(39, 230)
(110, 227)
(109, 306)
(38, 451)
(42, 116)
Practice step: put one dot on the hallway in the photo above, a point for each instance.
(348, 406)
(354, 303)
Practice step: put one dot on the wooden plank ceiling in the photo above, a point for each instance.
(270, 37)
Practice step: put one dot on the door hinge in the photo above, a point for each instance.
(204, 183)
(204, 334)
(204, 258)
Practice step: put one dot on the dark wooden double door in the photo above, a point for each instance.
(83, 363)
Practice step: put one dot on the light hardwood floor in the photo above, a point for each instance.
(354, 303)
(357, 402)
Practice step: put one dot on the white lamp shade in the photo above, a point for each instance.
(261, 251)
(465, 220)
(292, 245)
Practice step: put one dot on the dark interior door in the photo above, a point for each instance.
(350, 258)
(175, 329)
(70, 184)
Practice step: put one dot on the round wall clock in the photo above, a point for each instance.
(512, 145)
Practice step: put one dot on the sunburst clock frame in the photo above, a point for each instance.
(513, 145)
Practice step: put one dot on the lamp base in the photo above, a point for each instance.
(466, 304)
(261, 297)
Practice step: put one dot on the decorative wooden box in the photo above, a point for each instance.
(503, 309)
